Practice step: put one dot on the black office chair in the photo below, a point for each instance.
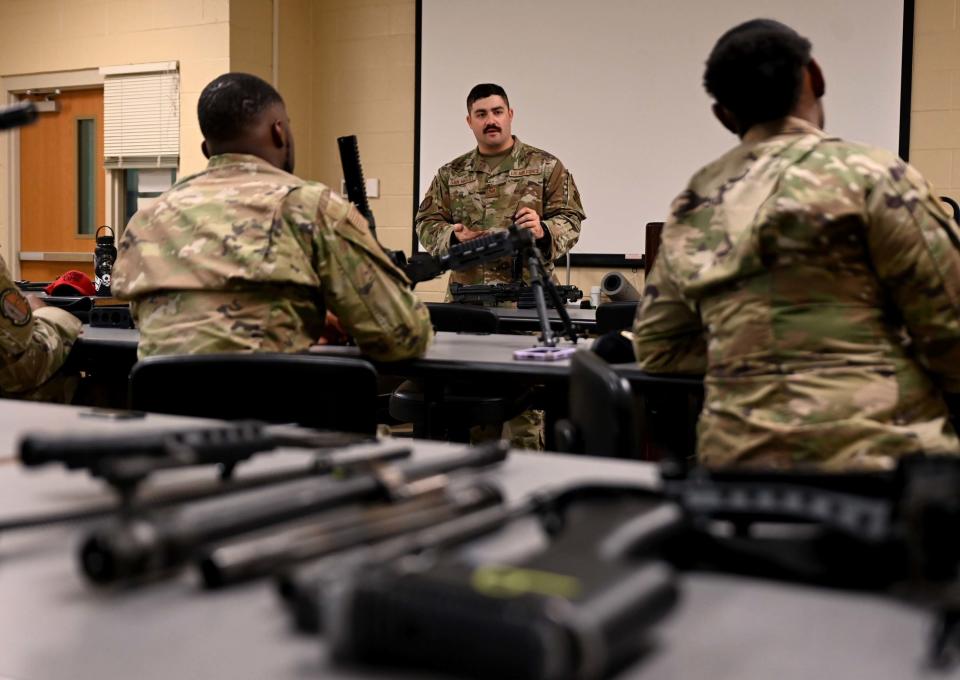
(448, 316)
(321, 392)
(452, 410)
(616, 316)
(603, 418)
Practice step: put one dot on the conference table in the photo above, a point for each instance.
(54, 626)
(469, 359)
(457, 355)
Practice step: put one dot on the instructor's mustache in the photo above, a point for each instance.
(491, 128)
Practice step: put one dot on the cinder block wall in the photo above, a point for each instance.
(935, 109)
(41, 36)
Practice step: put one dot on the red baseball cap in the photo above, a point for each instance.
(71, 282)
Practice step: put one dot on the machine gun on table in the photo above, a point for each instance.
(582, 605)
(491, 295)
(586, 602)
(125, 460)
(143, 547)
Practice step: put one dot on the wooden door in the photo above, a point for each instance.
(58, 181)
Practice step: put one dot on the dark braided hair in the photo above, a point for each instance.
(231, 103)
(756, 69)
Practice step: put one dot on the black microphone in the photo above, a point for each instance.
(21, 113)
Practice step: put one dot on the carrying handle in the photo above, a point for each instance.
(112, 232)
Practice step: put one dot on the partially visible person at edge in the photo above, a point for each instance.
(35, 340)
(245, 257)
(500, 182)
(815, 281)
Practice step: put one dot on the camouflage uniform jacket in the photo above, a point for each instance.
(465, 192)
(245, 257)
(816, 282)
(33, 346)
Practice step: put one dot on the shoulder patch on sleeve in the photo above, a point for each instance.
(14, 306)
(426, 203)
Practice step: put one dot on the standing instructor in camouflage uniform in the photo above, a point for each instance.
(815, 281)
(34, 343)
(246, 257)
(500, 182)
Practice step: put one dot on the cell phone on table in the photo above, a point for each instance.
(544, 353)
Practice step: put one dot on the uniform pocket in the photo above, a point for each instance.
(464, 202)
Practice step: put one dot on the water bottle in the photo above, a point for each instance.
(104, 256)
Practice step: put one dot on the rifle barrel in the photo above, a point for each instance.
(141, 547)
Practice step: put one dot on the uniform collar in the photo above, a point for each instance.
(784, 126)
(518, 154)
(232, 158)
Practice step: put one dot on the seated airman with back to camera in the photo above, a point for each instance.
(246, 257)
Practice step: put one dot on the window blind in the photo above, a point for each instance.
(141, 116)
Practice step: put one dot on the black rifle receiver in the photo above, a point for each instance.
(490, 295)
(124, 459)
(493, 246)
(357, 191)
(353, 178)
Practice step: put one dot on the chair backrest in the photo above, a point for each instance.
(322, 392)
(603, 418)
(616, 316)
(446, 316)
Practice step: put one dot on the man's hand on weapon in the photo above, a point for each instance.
(464, 234)
(527, 218)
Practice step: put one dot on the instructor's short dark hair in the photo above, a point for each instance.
(232, 102)
(484, 90)
(756, 69)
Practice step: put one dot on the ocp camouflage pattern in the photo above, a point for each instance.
(464, 191)
(33, 347)
(816, 283)
(244, 257)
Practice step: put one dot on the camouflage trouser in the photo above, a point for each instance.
(58, 390)
(524, 432)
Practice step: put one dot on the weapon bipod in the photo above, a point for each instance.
(540, 282)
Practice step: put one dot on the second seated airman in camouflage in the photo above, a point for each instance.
(501, 182)
(816, 282)
(35, 340)
(246, 257)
